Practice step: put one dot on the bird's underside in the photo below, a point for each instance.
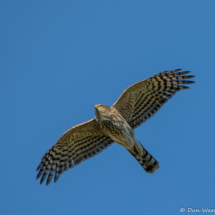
(136, 105)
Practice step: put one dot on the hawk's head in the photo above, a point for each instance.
(102, 112)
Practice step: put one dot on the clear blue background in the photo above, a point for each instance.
(60, 58)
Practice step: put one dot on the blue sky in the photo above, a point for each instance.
(60, 58)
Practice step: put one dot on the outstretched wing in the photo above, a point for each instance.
(79, 143)
(142, 100)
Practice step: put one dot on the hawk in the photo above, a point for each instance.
(136, 105)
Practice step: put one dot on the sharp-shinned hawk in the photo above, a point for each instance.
(136, 105)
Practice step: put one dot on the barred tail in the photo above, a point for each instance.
(149, 164)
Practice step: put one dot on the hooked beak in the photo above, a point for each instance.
(97, 114)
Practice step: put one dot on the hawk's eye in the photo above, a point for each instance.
(101, 106)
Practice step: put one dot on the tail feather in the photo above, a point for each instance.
(147, 161)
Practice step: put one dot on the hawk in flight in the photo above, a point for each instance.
(136, 105)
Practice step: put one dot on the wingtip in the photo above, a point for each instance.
(56, 177)
(48, 182)
(39, 166)
(175, 70)
(184, 87)
(39, 174)
(42, 180)
(43, 177)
